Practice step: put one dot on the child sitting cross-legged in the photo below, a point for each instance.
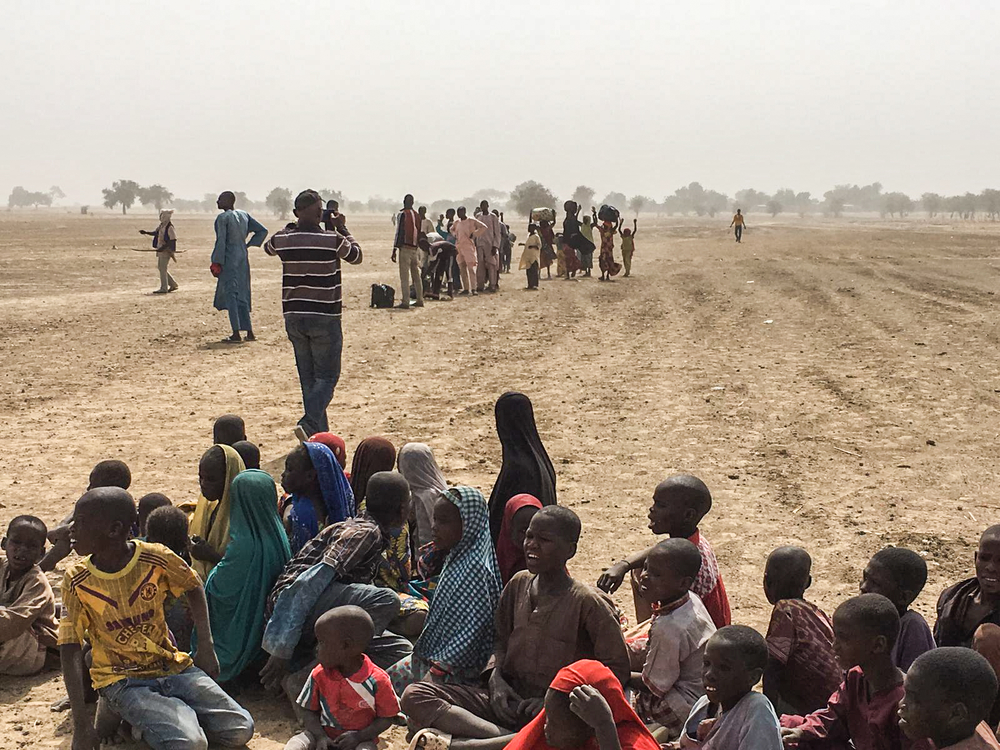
(802, 670)
(948, 693)
(671, 679)
(27, 604)
(899, 574)
(347, 702)
(863, 710)
(731, 715)
(114, 600)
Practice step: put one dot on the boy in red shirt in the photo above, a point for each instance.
(347, 701)
(679, 504)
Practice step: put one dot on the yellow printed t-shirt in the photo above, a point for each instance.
(738, 219)
(121, 614)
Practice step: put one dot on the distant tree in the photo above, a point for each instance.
(932, 203)
(243, 202)
(618, 200)
(529, 195)
(157, 195)
(989, 203)
(329, 194)
(785, 197)
(833, 205)
(715, 202)
(355, 207)
(896, 203)
(750, 199)
(279, 201)
(123, 193)
(583, 196)
(774, 207)
(637, 202)
(21, 198)
(56, 193)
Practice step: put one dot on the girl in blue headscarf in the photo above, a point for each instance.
(457, 639)
(319, 493)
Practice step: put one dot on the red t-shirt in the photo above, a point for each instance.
(349, 703)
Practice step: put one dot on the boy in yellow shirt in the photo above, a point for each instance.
(114, 601)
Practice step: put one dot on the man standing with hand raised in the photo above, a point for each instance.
(311, 301)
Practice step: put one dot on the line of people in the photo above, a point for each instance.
(384, 594)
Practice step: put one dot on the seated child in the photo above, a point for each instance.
(975, 601)
(671, 679)
(147, 504)
(169, 526)
(27, 604)
(731, 716)
(802, 671)
(899, 574)
(228, 429)
(108, 473)
(249, 452)
(863, 710)
(947, 695)
(347, 701)
(545, 621)
(679, 504)
(114, 600)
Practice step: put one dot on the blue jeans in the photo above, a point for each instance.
(318, 342)
(239, 316)
(181, 712)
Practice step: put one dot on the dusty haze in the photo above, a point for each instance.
(446, 97)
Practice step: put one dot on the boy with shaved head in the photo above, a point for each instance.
(680, 502)
(114, 601)
(962, 608)
(802, 670)
(231, 263)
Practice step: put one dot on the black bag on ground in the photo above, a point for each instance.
(383, 296)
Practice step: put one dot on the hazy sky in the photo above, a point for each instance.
(443, 97)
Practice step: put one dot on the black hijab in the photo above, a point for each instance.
(526, 466)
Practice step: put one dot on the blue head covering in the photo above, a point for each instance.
(337, 496)
(459, 630)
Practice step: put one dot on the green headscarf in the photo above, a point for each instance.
(238, 586)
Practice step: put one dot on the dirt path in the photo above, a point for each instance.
(835, 384)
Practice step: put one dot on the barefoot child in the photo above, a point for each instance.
(27, 604)
(671, 680)
(731, 716)
(531, 256)
(628, 245)
(899, 574)
(948, 693)
(679, 504)
(802, 671)
(548, 253)
(334, 717)
(962, 608)
(114, 600)
(863, 710)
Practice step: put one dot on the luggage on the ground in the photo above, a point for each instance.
(543, 214)
(383, 296)
(608, 213)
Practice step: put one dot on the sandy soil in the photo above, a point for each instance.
(836, 384)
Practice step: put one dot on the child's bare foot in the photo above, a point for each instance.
(109, 725)
(60, 705)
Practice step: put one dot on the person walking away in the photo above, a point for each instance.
(231, 263)
(466, 230)
(165, 244)
(628, 245)
(407, 245)
(739, 222)
(311, 302)
(488, 250)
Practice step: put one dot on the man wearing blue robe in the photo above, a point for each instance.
(231, 263)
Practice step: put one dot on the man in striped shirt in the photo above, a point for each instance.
(311, 302)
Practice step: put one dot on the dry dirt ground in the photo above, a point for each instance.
(835, 383)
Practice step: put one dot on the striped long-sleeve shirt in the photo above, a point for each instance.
(310, 262)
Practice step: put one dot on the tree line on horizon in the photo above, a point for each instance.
(685, 200)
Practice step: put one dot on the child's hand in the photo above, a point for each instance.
(206, 660)
(346, 741)
(530, 708)
(273, 672)
(587, 702)
(324, 743)
(612, 578)
(791, 737)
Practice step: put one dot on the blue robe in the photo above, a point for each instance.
(231, 230)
